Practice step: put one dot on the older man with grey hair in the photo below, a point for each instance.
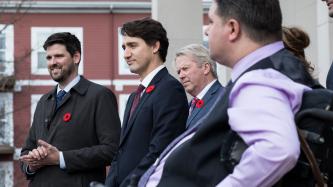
(197, 73)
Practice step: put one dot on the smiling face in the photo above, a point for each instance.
(191, 74)
(138, 55)
(61, 65)
(330, 7)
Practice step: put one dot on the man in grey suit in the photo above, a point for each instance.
(329, 79)
(197, 73)
(76, 127)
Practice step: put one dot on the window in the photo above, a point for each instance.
(38, 54)
(6, 50)
(6, 119)
(122, 65)
(122, 105)
(6, 174)
(34, 100)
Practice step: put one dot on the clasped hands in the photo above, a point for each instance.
(44, 154)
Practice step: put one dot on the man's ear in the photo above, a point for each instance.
(233, 29)
(207, 68)
(156, 47)
(77, 58)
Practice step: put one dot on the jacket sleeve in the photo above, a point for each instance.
(31, 140)
(169, 121)
(107, 129)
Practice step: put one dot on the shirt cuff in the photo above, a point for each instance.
(62, 160)
(28, 171)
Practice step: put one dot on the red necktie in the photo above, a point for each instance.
(193, 102)
(136, 98)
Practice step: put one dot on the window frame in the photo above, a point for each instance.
(9, 50)
(37, 45)
(7, 98)
(8, 168)
(123, 98)
(123, 68)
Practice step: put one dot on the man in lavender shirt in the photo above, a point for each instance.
(266, 88)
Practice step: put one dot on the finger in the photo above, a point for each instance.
(32, 162)
(26, 159)
(31, 155)
(42, 151)
(44, 144)
(36, 154)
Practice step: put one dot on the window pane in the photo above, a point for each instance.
(42, 64)
(2, 56)
(2, 176)
(2, 123)
(2, 41)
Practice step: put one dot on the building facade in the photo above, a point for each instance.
(25, 25)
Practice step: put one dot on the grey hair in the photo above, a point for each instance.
(201, 55)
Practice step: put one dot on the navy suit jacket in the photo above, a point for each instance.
(208, 100)
(160, 117)
(329, 79)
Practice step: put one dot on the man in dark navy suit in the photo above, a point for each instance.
(197, 73)
(329, 79)
(156, 113)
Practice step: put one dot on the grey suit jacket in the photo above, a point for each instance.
(88, 140)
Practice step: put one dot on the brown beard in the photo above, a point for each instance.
(64, 74)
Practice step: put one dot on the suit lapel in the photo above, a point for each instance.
(127, 115)
(81, 88)
(207, 98)
(145, 96)
(49, 107)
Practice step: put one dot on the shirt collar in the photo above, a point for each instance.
(70, 85)
(205, 90)
(145, 82)
(254, 57)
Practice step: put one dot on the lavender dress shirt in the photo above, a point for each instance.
(261, 110)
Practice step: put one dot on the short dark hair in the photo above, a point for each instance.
(150, 31)
(67, 39)
(261, 19)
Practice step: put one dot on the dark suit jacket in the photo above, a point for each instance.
(89, 140)
(159, 118)
(208, 99)
(197, 162)
(329, 79)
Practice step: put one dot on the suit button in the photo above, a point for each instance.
(120, 151)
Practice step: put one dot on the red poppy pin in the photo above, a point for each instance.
(199, 103)
(67, 117)
(150, 88)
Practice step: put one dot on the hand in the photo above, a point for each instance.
(34, 155)
(32, 163)
(33, 168)
(44, 154)
(39, 153)
(52, 156)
